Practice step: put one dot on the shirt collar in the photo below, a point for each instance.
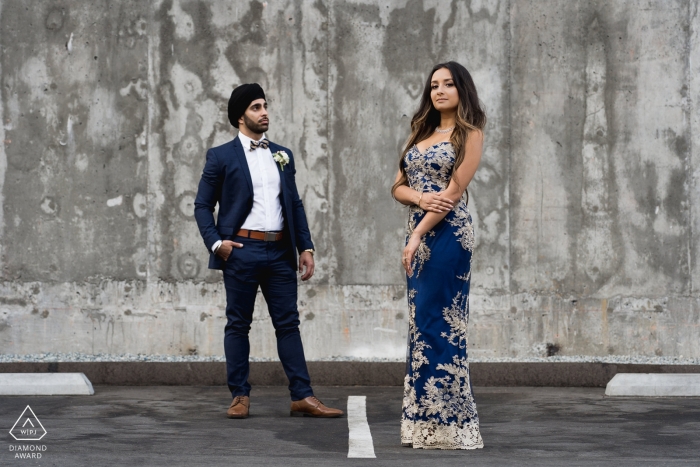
(245, 141)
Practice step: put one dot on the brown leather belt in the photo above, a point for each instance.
(258, 235)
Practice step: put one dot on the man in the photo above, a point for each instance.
(261, 227)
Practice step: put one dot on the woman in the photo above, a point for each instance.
(436, 166)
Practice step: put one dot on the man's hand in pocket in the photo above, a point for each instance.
(226, 248)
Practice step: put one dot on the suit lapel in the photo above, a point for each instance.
(283, 182)
(273, 149)
(240, 153)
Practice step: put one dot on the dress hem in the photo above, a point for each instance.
(449, 436)
(444, 447)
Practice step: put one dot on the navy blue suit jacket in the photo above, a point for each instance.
(226, 180)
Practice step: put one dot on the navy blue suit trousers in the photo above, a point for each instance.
(270, 267)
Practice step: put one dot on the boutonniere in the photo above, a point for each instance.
(281, 158)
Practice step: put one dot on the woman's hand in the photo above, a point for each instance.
(436, 202)
(409, 253)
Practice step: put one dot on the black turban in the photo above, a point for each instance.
(241, 97)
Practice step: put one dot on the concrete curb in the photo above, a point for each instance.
(554, 374)
(654, 385)
(45, 384)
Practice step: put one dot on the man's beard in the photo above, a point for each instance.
(255, 127)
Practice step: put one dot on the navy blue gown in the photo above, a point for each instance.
(439, 411)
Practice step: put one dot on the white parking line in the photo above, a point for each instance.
(360, 438)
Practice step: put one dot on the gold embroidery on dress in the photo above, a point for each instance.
(433, 435)
(463, 221)
(448, 397)
(417, 357)
(466, 277)
(432, 169)
(457, 319)
(423, 252)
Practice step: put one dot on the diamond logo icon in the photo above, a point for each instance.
(28, 427)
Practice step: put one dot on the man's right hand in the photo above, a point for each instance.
(226, 248)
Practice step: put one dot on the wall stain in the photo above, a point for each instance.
(63, 104)
(54, 20)
(410, 65)
(597, 257)
(13, 301)
(248, 44)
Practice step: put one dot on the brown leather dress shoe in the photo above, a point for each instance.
(312, 407)
(239, 407)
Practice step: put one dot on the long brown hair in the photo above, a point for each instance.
(470, 116)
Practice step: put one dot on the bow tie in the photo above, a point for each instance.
(259, 144)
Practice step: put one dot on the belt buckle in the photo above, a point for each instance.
(270, 236)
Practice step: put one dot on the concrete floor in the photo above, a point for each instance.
(186, 426)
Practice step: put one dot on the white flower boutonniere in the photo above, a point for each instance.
(281, 158)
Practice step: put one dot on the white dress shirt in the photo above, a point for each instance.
(266, 215)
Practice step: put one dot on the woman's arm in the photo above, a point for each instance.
(433, 202)
(455, 189)
(404, 194)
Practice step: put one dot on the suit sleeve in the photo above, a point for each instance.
(301, 225)
(208, 194)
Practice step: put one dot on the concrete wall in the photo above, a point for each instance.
(585, 203)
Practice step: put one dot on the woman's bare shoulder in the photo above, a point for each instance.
(476, 135)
